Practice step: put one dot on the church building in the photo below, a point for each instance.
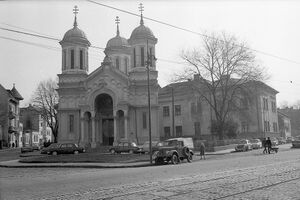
(109, 104)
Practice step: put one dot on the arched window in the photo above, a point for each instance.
(134, 58)
(142, 57)
(72, 59)
(126, 65)
(64, 59)
(81, 58)
(117, 63)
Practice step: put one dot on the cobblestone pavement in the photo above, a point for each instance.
(274, 181)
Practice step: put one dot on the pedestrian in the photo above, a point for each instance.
(264, 143)
(269, 144)
(202, 151)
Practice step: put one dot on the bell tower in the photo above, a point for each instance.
(75, 49)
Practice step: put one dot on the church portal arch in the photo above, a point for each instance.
(104, 119)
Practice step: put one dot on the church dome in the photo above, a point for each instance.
(142, 31)
(75, 35)
(117, 41)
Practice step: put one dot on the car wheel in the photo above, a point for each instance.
(112, 151)
(76, 152)
(189, 158)
(159, 161)
(174, 159)
(131, 151)
(54, 153)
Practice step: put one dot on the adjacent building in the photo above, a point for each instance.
(10, 133)
(284, 125)
(294, 115)
(35, 128)
(184, 113)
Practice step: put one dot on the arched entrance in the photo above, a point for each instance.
(104, 119)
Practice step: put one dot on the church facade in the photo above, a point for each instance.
(109, 104)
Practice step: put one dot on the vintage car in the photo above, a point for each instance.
(256, 143)
(125, 146)
(243, 145)
(296, 142)
(62, 148)
(174, 150)
(145, 148)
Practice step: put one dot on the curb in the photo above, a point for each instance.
(16, 164)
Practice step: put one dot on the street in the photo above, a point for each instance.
(244, 175)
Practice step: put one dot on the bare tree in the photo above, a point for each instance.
(224, 67)
(45, 98)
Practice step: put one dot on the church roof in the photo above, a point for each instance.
(75, 34)
(117, 41)
(14, 92)
(142, 31)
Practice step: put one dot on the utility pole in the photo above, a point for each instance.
(149, 105)
(173, 117)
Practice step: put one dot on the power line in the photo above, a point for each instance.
(56, 39)
(42, 45)
(190, 31)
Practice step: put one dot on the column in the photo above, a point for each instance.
(93, 144)
(82, 139)
(115, 128)
(126, 123)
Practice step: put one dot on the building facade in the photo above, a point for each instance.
(111, 103)
(35, 129)
(284, 125)
(184, 113)
(294, 115)
(9, 117)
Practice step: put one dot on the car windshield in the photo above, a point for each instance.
(243, 142)
(254, 141)
(54, 145)
(133, 144)
(171, 143)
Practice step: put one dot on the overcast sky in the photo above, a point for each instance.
(271, 27)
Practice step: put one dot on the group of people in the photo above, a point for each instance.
(267, 144)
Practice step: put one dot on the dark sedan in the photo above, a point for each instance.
(129, 147)
(63, 148)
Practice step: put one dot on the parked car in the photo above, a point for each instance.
(243, 145)
(281, 140)
(145, 148)
(256, 143)
(289, 139)
(174, 150)
(62, 148)
(129, 147)
(274, 141)
(30, 148)
(296, 142)
(27, 149)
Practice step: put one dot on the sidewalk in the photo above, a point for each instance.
(17, 164)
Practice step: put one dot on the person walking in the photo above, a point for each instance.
(269, 144)
(264, 144)
(202, 151)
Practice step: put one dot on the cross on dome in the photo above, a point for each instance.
(75, 11)
(117, 20)
(141, 9)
